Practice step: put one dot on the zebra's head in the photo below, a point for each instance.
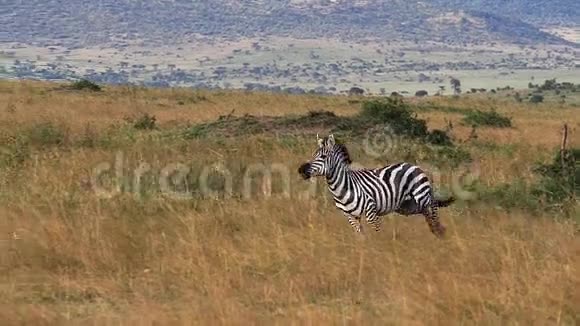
(327, 156)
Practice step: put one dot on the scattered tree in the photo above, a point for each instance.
(421, 93)
(356, 91)
(537, 98)
(456, 85)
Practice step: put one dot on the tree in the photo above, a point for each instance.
(421, 93)
(537, 98)
(549, 84)
(456, 85)
(356, 91)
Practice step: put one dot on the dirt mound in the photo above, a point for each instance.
(224, 126)
(390, 112)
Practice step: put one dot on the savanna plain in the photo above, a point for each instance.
(96, 228)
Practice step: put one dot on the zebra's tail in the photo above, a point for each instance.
(444, 202)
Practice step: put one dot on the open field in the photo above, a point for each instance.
(328, 65)
(197, 250)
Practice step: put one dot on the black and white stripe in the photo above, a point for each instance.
(402, 188)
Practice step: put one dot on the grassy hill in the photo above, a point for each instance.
(133, 205)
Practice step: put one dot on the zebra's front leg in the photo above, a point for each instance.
(372, 217)
(354, 221)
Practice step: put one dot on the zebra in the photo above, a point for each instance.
(403, 188)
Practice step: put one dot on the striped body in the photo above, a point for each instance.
(402, 188)
(387, 188)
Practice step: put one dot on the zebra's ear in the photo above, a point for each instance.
(331, 140)
(319, 140)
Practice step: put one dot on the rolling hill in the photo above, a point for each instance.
(81, 23)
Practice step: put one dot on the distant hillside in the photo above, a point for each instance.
(537, 12)
(82, 23)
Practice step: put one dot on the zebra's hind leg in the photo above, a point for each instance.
(409, 207)
(432, 219)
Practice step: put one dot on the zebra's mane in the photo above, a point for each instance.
(342, 149)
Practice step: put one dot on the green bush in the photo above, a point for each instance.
(487, 118)
(13, 151)
(450, 156)
(397, 114)
(555, 191)
(17, 148)
(144, 122)
(537, 98)
(439, 137)
(84, 84)
(560, 180)
(196, 131)
(45, 134)
(514, 195)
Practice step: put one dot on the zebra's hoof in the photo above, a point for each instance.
(440, 232)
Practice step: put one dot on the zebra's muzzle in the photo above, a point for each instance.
(303, 170)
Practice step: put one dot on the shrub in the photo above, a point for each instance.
(556, 189)
(356, 91)
(549, 84)
(394, 112)
(421, 93)
(45, 134)
(84, 84)
(13, 150)
(17, 148)
(514, 195)
(439, 137)
(537, 98)
(196, 131)
(560, 179)
(144, 122)
(487, 118)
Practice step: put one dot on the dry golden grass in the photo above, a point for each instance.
(70, 257)
(31, 102)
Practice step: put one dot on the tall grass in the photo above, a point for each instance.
(140, 256)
